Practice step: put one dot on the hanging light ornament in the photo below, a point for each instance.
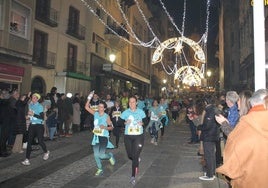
(176, 43)
(189, 75)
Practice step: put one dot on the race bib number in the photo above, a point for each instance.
(154, 117)
(116, 114)
(132, 130)
(94, 107)
(98, 131)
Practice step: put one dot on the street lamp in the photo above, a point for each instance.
(208, 76)
(112, 57)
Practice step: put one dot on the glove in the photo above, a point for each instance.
(89, 97)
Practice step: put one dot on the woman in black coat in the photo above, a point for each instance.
(118, 123)
(20, 128)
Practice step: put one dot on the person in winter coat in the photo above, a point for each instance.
(51, 122)
(20, 127)
(245, 155)
(209, 136)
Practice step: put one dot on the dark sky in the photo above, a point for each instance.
(196, 13)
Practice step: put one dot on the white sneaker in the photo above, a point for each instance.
(152, 140)
(26, 162)
(46, 155)
(132, 180)
(206, 178)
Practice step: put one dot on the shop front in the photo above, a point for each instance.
(113, 79)
(11, 77)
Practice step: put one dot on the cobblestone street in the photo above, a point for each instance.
(172, 164)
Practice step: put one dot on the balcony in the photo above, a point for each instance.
(45, 59)
(76, 30)
(50, 18)
(115, 40)
(77, 67)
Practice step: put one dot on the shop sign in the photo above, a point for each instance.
(11, 69)
(107, 67)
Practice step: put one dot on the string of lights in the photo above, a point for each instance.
(144, 44)
(149, 44)
(177, 44)
(146, 21)
(170, 18)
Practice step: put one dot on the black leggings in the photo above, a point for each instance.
(35, 130)
(134, 145)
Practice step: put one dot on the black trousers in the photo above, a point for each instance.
(134, 145)
(4, 137)
(210, 158)
(36, 130)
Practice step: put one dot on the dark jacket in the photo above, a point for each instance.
(209, 128)
(21, 107)
(51, 119)
(116, 120)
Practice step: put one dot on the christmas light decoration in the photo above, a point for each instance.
(188, 75)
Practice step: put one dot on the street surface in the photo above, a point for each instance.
(172, 164)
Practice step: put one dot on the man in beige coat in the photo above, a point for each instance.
(245, 159)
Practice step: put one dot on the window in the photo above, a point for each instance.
(1, 13)
(71, 58)
(40, 48)
(42, 9)
(97, 47)
(73, 20)
(19, 20)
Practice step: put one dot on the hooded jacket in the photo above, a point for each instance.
(246, 152)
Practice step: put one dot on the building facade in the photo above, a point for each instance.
(68, 44)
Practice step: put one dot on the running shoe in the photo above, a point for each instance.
(152, 140)
(26, 162)
(132, 180)
(46, 155)
(99, 172)
(206, 178)
(112, 160)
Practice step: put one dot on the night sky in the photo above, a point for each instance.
(195, 20)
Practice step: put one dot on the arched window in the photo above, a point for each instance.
(38, 85)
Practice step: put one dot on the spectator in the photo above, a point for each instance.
(245, 155)
(51, 122)
(4, 122)
(243, 106)
(68, 114)
(233, 113)
(20, 127)
(76, 113)
(209, 136)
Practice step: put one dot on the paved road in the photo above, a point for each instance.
(171, 164)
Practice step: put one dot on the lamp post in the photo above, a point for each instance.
(112, 57)
(208, 76)
(164, 88)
